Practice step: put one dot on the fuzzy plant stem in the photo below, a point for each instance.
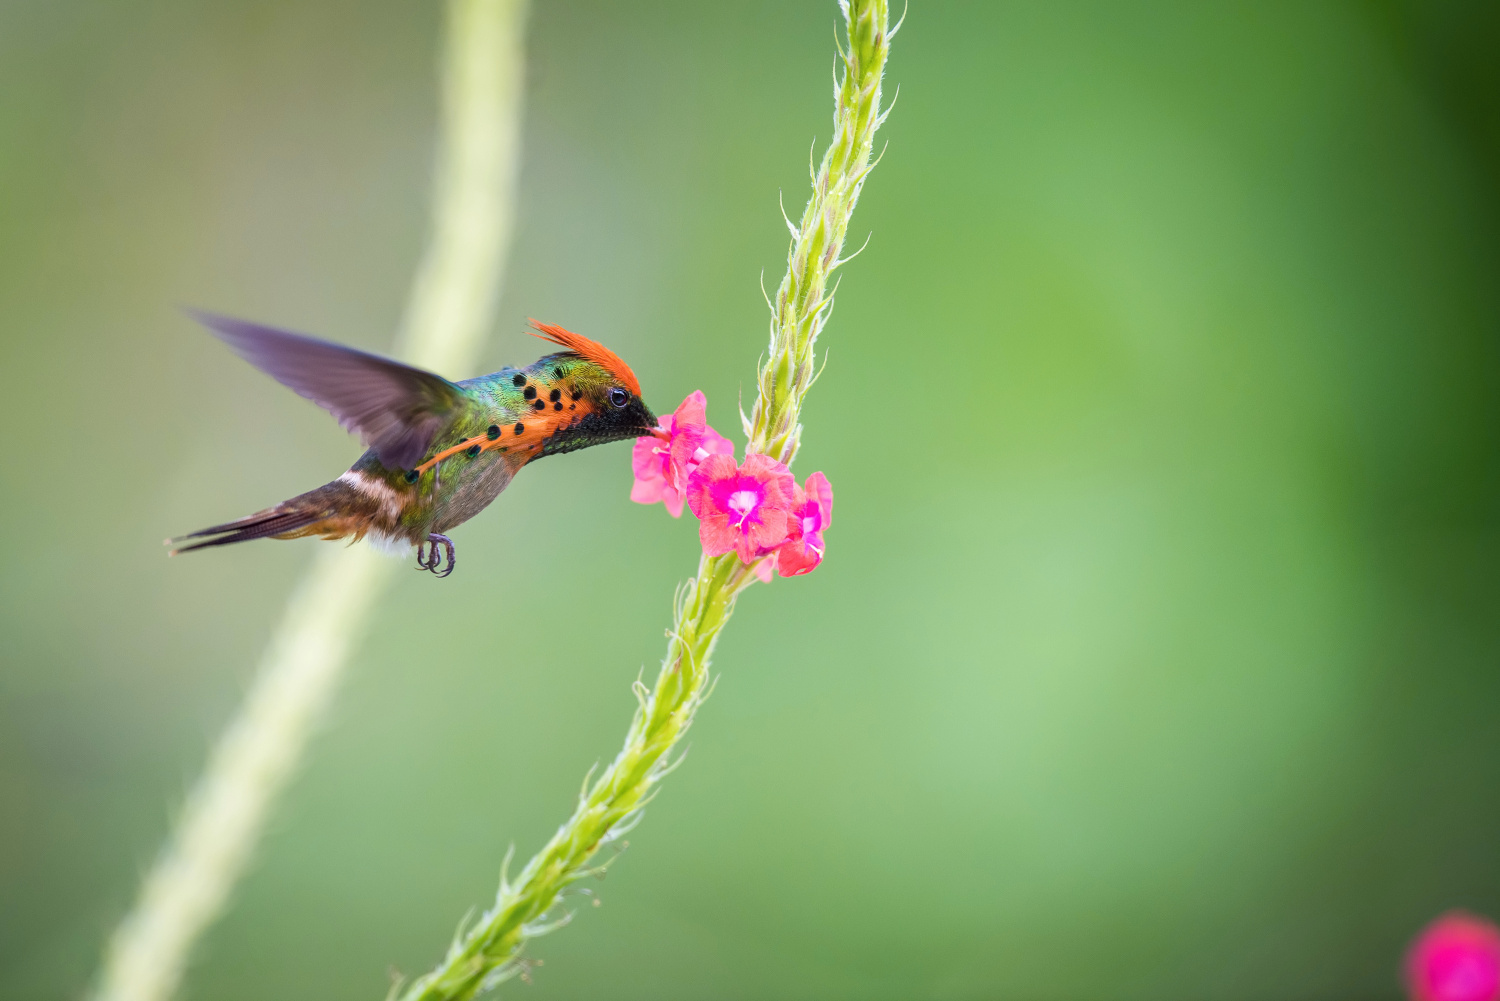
(532, 904)
(450, 309)
(803, 301)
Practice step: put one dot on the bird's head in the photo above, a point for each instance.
(592, 396)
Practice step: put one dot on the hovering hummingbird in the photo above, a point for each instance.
(439, 451)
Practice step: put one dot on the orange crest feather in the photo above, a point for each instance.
(590, 351)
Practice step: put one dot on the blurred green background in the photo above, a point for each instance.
(1156, 652)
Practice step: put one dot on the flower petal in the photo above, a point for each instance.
(700, 485)
(645, 463)
(717, 536)
(645, 491)
(820, 492)
(715, 443)
(800, 556)
(689, 424)
(1456, 958)
(783, 486)
(744, 508)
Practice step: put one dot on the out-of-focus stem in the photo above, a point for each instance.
(459, 280)
(490, 951)
(450, 309)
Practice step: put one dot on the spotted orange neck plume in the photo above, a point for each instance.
(590, 351)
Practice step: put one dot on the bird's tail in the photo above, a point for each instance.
(322, 512)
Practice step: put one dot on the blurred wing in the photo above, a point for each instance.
(395, 409)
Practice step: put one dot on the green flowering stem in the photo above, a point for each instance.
(803, 302)
(531, 905)
(607, 809)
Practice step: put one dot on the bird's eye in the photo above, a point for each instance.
(618, 398)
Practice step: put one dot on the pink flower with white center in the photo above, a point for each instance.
(741, 509)
(812, 511)
(1456, 958)
(662, 464)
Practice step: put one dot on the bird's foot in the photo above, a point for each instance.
(432, 559)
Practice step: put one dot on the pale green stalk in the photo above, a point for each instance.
(450, 309)
(490, 951)
(803, 303)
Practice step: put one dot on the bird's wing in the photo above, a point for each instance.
(395, 409)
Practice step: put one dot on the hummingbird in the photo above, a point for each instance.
(438, 452)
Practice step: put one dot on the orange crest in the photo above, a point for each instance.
(590, 351)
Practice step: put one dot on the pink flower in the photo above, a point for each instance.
(812, 510)
(1456, 958)
(662, 464)
(741, 509)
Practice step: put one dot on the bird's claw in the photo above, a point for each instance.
(432, 559)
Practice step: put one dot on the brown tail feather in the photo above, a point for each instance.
(257, 526)
(233, 526)
(332, 511)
